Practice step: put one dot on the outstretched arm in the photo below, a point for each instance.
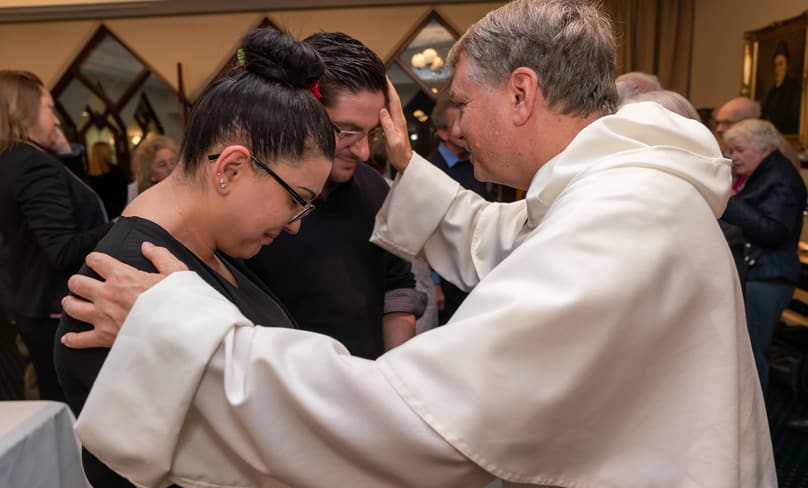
(193, 393)
(427, 213)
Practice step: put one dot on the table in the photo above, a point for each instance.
(38, 448)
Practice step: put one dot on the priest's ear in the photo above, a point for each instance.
(523, 85)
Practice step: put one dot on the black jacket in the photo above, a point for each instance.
(329, 276)
(50, 220)
(769, 212)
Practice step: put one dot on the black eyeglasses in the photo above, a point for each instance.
(307, 207)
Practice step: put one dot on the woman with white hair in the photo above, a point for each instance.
(768, 208)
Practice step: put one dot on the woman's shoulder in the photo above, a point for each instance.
(124, 240)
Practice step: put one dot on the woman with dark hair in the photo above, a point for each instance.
(49, 218)
(258, 148)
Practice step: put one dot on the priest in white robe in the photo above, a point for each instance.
(603, 343)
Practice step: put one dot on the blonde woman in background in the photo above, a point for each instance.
(154, 159)
(107, 178)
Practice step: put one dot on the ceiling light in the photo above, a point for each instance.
(418, 60)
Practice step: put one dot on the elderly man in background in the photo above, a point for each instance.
(599, 346)
(743, 108)
(633, 83)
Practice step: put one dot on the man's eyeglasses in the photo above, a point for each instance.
(307, 207)
(350, 137)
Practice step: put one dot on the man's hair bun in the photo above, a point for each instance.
(277, 57)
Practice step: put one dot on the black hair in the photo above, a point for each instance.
(351, 65)
(266, 104)
(782, 49)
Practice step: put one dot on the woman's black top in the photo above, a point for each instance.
(78, 368)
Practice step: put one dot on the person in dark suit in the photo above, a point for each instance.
(782, 104)
(768, 209)
(452, 157)
(49, 217)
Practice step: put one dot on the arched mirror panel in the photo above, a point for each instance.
(110, 95)
(110, 69)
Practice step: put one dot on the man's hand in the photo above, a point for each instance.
(398, 328)
(107, 303)
(60, 145)
(397, 139)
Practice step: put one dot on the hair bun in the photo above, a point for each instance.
(277, 57)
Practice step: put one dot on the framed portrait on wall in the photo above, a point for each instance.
(775, 73)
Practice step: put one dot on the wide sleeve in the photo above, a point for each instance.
(215, 401)
(461, 235)
(43, 194)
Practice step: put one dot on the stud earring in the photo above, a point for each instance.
(221, 181)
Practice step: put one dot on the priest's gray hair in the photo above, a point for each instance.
(760, 134)
(568, 43)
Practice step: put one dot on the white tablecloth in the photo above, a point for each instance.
(38, 448)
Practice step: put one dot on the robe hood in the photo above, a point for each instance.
(642, 134)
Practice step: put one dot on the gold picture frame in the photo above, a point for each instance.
(775, 73)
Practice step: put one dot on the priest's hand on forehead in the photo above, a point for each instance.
(105, 304)
(397, 139)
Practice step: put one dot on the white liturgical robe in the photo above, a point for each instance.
(603, 345)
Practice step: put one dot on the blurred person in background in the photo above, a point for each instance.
(767, 207)
(107, 178)
(49, 218)
(154, 159)
(633, 83)
(742, 108)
